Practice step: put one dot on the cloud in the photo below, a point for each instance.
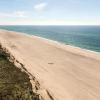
(40, 7)
(19, 14)
(2, 14)
(36, 21)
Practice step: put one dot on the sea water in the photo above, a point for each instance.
(87, 37)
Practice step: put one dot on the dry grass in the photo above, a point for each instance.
(14, 84)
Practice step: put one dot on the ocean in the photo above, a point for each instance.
(87, 37)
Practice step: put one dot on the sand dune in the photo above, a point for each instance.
(67, 72)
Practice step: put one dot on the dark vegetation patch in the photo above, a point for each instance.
(14, 84)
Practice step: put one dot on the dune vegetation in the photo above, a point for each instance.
(14, 84)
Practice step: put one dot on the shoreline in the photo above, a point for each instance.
(66, 72)
(61, 45)
(91, 50)
(54, 41)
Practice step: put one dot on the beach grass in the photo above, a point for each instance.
(14, 84)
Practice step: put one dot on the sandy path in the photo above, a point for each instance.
(69, 73)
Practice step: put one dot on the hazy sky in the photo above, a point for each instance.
(50, 12)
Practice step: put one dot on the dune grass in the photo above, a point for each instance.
(14, 84)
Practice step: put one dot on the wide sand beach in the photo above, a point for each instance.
(67, 72)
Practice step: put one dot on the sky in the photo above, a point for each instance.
(49, 12)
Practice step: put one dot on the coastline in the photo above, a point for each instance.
(72, 48)
(83, 44)
(62, 45)
(67, 72)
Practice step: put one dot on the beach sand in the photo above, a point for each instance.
(67, 72)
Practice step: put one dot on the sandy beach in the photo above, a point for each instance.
(67, 72)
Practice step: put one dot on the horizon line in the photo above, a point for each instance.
(48, 25)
